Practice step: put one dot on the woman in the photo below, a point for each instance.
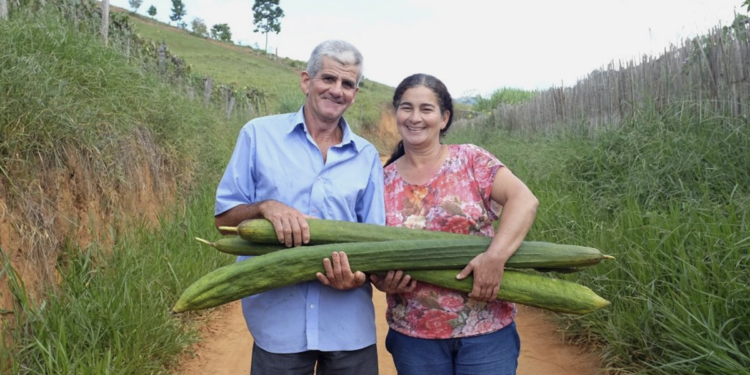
(460, 189)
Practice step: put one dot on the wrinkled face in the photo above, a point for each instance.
(418, 117)
(332, 91)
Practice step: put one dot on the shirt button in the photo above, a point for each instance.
(312, 306)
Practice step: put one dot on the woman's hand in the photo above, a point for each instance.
(488, 271)
(394, 282)
(519, 210)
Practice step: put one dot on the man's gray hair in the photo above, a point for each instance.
(339, 50)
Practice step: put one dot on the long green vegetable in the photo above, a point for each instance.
(282, 268)
(524, 288)
(542, 254)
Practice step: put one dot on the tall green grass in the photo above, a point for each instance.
(111, 312)
(63, 94)
(669, 198)
(62, 91)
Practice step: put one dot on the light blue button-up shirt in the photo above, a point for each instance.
(276, 158)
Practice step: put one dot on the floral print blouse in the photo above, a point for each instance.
(456, 199)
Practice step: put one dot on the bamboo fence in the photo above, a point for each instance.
(705, 76)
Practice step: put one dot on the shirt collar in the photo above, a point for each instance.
(298, 122)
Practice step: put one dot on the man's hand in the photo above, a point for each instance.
(290, 224)
(338, 273)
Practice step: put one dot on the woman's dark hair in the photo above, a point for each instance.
(441, 92)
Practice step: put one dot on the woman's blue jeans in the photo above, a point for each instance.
(495, 353)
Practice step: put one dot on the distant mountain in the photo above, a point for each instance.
(471, 100)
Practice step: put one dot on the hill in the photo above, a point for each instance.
(242, 66)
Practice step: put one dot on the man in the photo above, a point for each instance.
(309, 165)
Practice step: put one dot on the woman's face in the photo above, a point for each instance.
(418, 117)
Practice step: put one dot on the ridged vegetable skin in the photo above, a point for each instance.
(280, 268)
(337, 231)
(524, 288)
(291, 266)
(534, 254)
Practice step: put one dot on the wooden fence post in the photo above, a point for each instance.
(3, 9)
(207, 87)
(105, 20)
(162, 58)
(230, 105)
(249, 106)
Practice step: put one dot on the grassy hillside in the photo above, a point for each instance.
(244, 66)
(93, 150)
(669, 199)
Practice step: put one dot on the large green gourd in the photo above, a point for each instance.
(525, 288)
(287, 267)
(533, 254)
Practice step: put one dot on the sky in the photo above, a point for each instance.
(474, 46)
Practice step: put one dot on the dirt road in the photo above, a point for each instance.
(226, 346)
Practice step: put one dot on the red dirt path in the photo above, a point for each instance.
(226, 345)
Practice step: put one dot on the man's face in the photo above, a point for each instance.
(332, 91)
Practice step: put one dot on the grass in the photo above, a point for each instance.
(669, 199)
(70, 105)
(241, 66)
(61, 89)
(506, 95)
(111, 314)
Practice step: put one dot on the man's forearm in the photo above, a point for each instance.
(238, 214)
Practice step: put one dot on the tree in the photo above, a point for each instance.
(178, 10)
(152, 11)
(221, 32)
(226, 34)
(199, 27)
(266, 15)
(3, 10)
(135, 4)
